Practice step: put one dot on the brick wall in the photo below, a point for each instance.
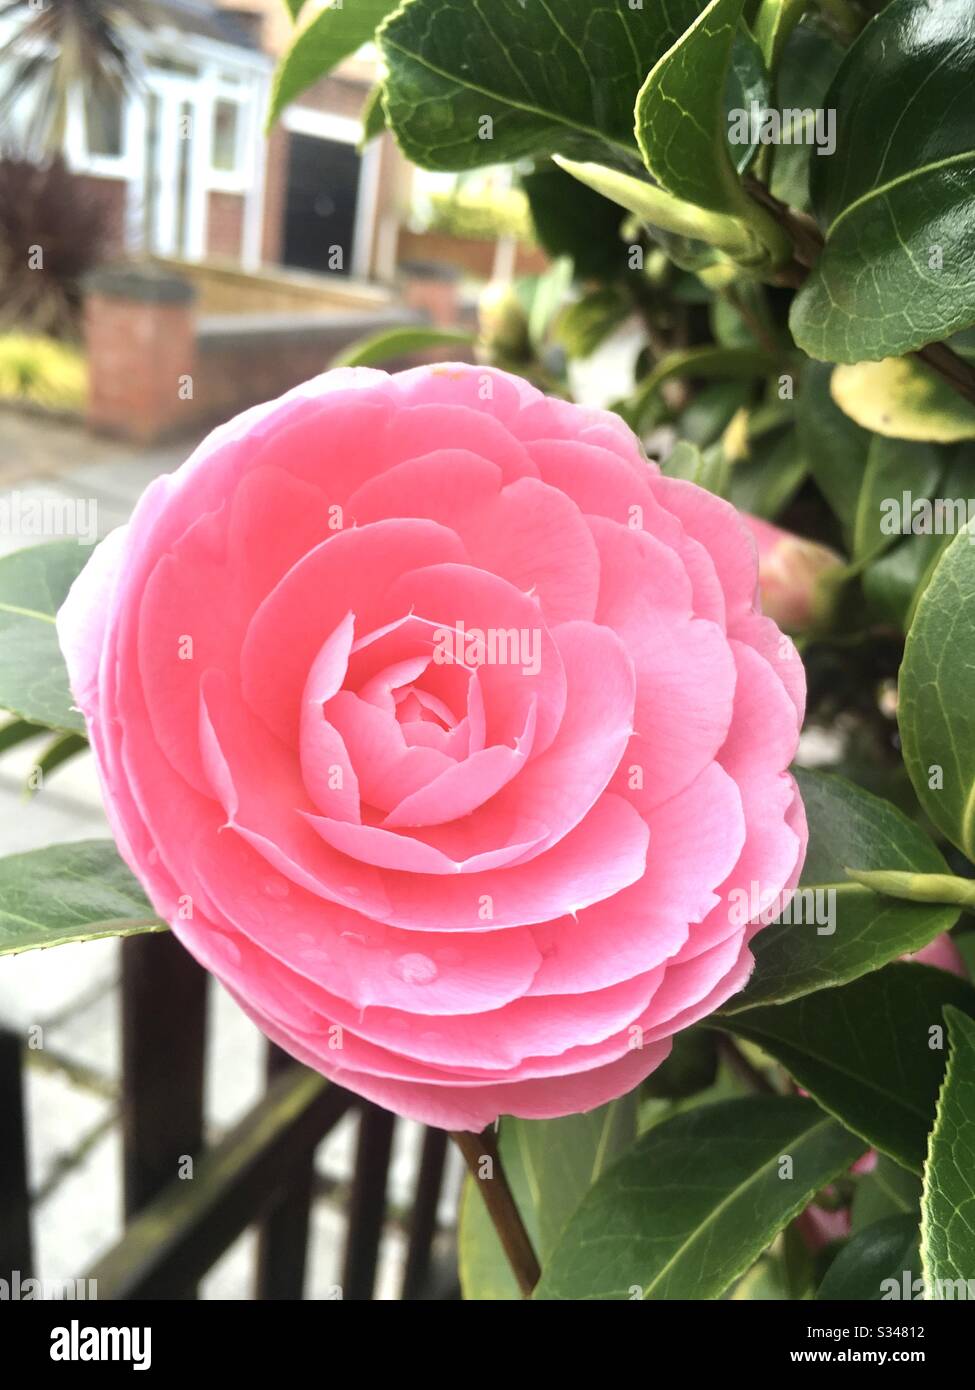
(156, 371)
(225, 225)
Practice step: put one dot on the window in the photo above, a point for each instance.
(103, 121)
(226, 120)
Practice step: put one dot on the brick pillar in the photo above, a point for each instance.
(140, 336)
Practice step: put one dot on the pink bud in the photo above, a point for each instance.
(788, 571)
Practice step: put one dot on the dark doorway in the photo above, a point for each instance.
(320, 203)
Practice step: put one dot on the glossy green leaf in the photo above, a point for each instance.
(393, 343)
(879, 1252)
(747, 83)
(936, 707)
(33, 679)
(773, 24)
(836, 449)
(808, 65)
(766, 481)
(696, 1200)
(372, 115)
(690, 1067)
(681, 122)
(888, 1190)
(677, 224)
(683, 128)
(73, 892)
(866, 1051)
(897, 199)
(471, 85)
(334, 33)
(485, 1273)
(903, 398)
(894, 466)
(838, 930)
(947, 1225)
(550, 1166)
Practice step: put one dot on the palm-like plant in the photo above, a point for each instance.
(62, 46)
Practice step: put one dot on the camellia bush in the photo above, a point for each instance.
(574, 748)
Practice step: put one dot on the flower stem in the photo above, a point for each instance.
(484, 1162)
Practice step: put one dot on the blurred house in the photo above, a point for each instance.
(183, 162)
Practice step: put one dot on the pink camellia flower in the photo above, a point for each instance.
(440, 727)
(789, 570)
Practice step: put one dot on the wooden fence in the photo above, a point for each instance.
(261, 1174)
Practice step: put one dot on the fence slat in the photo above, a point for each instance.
(176, 1239)
(283, 1243)
(423, 1221)
(163, 1037)
(367, 1203)
(15, 1235)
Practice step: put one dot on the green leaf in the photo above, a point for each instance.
(747, 82)
(73, 892)
(696, 1200)
(33, 680)
(897, 198)
(552, 77)
(903, 398)
(294, 7)
(948, 1201)
(936, 706)
(587, 322)
(807, 67)
(681, 122)
(562, 1159)
(392, 343)
(894, 466)
(332, 35)
(691, 1067)
(683, 129)
(667, 216)
(372, 115)
(485, 1274)
(735, 363)
(765, 482)
(880, 1252)
(889, 1190)
(836, 449)
(773, 24)
(709, 470)
(848, 828)
(550, 1166)
(864, 1051)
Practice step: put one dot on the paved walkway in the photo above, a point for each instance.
(71, 993)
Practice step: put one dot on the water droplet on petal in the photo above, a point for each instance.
(276, 887)
(415, 969)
